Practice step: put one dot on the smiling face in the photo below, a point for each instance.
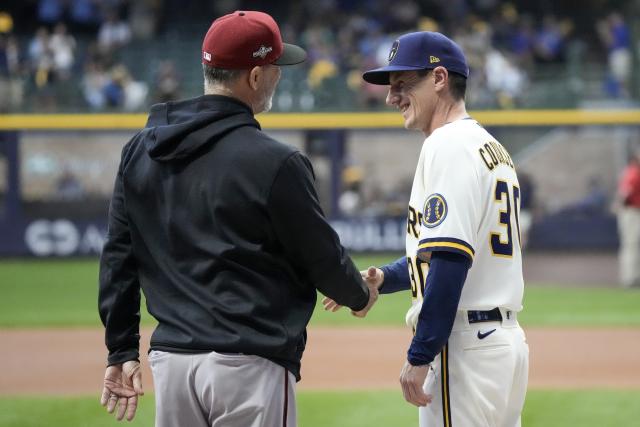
(414, 96)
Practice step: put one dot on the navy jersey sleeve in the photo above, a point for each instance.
(447, 274)
(396, 277)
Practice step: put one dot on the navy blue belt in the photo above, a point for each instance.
(484, 316)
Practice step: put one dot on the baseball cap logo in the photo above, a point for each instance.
(394, 50)
(206, 56)
(262, 52)
(433, 59)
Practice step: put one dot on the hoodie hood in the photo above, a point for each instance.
(177, 130)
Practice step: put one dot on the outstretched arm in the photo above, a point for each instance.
(310, 244)
(390, 278)
(395, 277)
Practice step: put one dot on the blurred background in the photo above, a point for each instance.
(557, 82)
(121, 56)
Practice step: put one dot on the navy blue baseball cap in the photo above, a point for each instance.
(424, 50)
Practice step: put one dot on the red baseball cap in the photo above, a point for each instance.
(245, 39)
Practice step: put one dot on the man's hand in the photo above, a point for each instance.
(330, 305)
(123, 385)
(374, 278)
(412, 379)
(373, 297)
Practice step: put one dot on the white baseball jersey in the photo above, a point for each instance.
(466, 199)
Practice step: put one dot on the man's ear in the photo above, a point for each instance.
(440, 77)
(255, 77)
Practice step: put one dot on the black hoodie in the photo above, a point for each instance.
(220, 226)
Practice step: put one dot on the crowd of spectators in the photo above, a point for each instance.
(615, 35)
(50, 70)
(504, 46)
(78, 42)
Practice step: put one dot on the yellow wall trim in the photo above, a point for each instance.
(296, 121)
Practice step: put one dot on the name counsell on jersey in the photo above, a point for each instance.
(494, 154)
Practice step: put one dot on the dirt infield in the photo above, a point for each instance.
(71, 361)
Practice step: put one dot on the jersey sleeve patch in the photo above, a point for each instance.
(435, 210)
(446, 244)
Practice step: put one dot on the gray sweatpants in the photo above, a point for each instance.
(221, 390)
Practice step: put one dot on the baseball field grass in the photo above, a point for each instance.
(37, 294)
(64, 294)
(590, 408)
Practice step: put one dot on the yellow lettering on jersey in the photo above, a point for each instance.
(486, 161)
(503, 155)
(418, 270)
(498, 151)
(494, 154)
(412, 278)
(414, 219)
(499, 247)
(494, 159)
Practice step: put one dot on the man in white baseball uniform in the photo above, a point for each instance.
(468, 361)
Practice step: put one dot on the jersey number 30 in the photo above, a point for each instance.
(499, 247)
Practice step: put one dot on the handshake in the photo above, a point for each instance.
(373, 278)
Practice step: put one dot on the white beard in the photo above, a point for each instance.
(268, 104)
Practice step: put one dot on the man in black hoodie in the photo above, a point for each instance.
(221, 228)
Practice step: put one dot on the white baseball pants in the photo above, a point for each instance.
(480, 377)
